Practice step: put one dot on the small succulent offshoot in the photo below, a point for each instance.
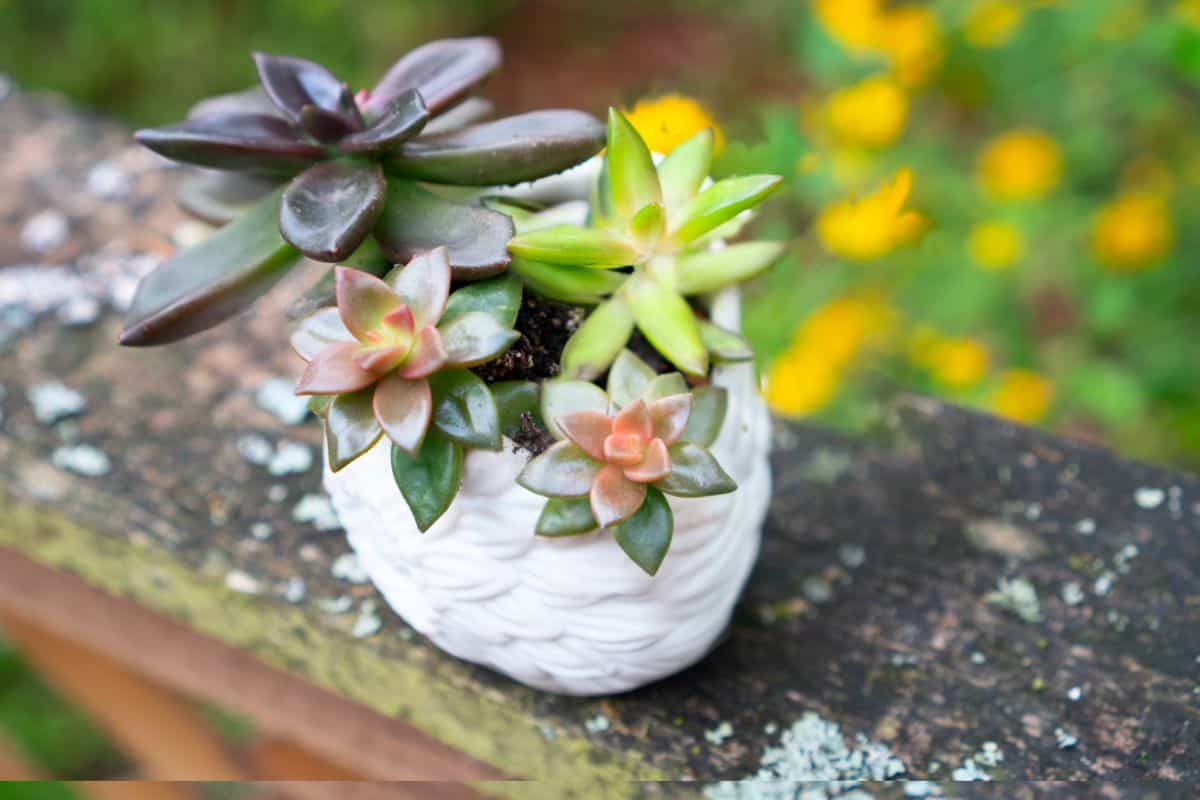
(393, 358)
(356, 169)
(620, 452)
(660, 222)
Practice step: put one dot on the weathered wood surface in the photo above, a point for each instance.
(869, 607)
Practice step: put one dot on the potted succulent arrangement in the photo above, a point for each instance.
(543, 432)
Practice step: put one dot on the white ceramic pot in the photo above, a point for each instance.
(574, 614)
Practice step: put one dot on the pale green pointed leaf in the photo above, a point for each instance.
(708, 415)
(600, 204)
(575, 285)
(695, 473)
(566, 517)
(724, 345)
(430, 479)
(499, 296)
(684, 169)
(711, 270)
(664, 386)
(350, 427)
(646, 536)
(628, 378)
(474, 337)
(631, 174)
(647, 225)
(562, 471)
(464, 409)
(669, 324)
(720, 203)
(513, 400)
(561, 397)
(598, 340)
(573, 246)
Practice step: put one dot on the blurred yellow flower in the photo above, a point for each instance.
(671, 119)
(909, 36)
(958, 363)
(1189, 11)
(1022, 395)
(854, 23)
(995, 244)
(873, 226)
(992, 23)
(1133, 232)
(1020, 165)
(807, 376)
(870, 113)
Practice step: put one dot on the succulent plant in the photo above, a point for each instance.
(621, 451)
(357, 166)
(392, 358)
(662, 223)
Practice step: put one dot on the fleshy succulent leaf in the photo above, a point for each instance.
(319, 330)
(631, 174)
(575, 285)
(404, 120)
(514, 399)
(467, 112)
(503, 151)
(248, 142)
(646, 536)
(427, 356)
(695, 473)
(424, 284)
(464, 409)
(325, 126)
(566, 517)
(594, 345)
(212, 281)
(669, 324)
(655, 464)
(711, 270)
(709, 404)
(572, 246)
(221, 197)
(293, 83)
(499, 296)
(660, 386)
(363, 301)
(562, 471)
(350, 427)
(444, 72)
(429, 479)
(252, 100)
(628, 378)
(415, 220)
(720, 203)
(588, 430)
(323, 293)
(330, 208)
(684, 169)
(614, 497)
(334, 371)
(633, 420)
(561, 397)
(723, 345)
(403, 408)
(647, 224)
(475, 337)
(669, 416)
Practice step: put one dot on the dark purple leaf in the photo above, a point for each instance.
(509, 150)
(218, 197)
(293, 83)
(329, 209)
(325, 126)
(415, 220)
(248, 101)
(468, 112)
(444, 72)
(212, 281)
(406, 118)
(240, 141)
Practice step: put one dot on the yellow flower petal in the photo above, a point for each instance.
(669, 120)
(995, 244)
(1133, 232)
(1020, 165)
(1023, 396)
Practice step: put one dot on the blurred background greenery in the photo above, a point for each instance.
(994, 201)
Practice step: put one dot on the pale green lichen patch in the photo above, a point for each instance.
(1018, 596)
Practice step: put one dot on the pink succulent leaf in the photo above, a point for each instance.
(562, 471)
(424, 284)
(380, 360)
(319, 330)
(669, 416)
(475, 337)
(333, 371)
(403, 409)
(427, 357)
(588, 429)
(624, 449)
(634, 420)
(363, 301)
(614, 497)
(655, 466)
(400, 320)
